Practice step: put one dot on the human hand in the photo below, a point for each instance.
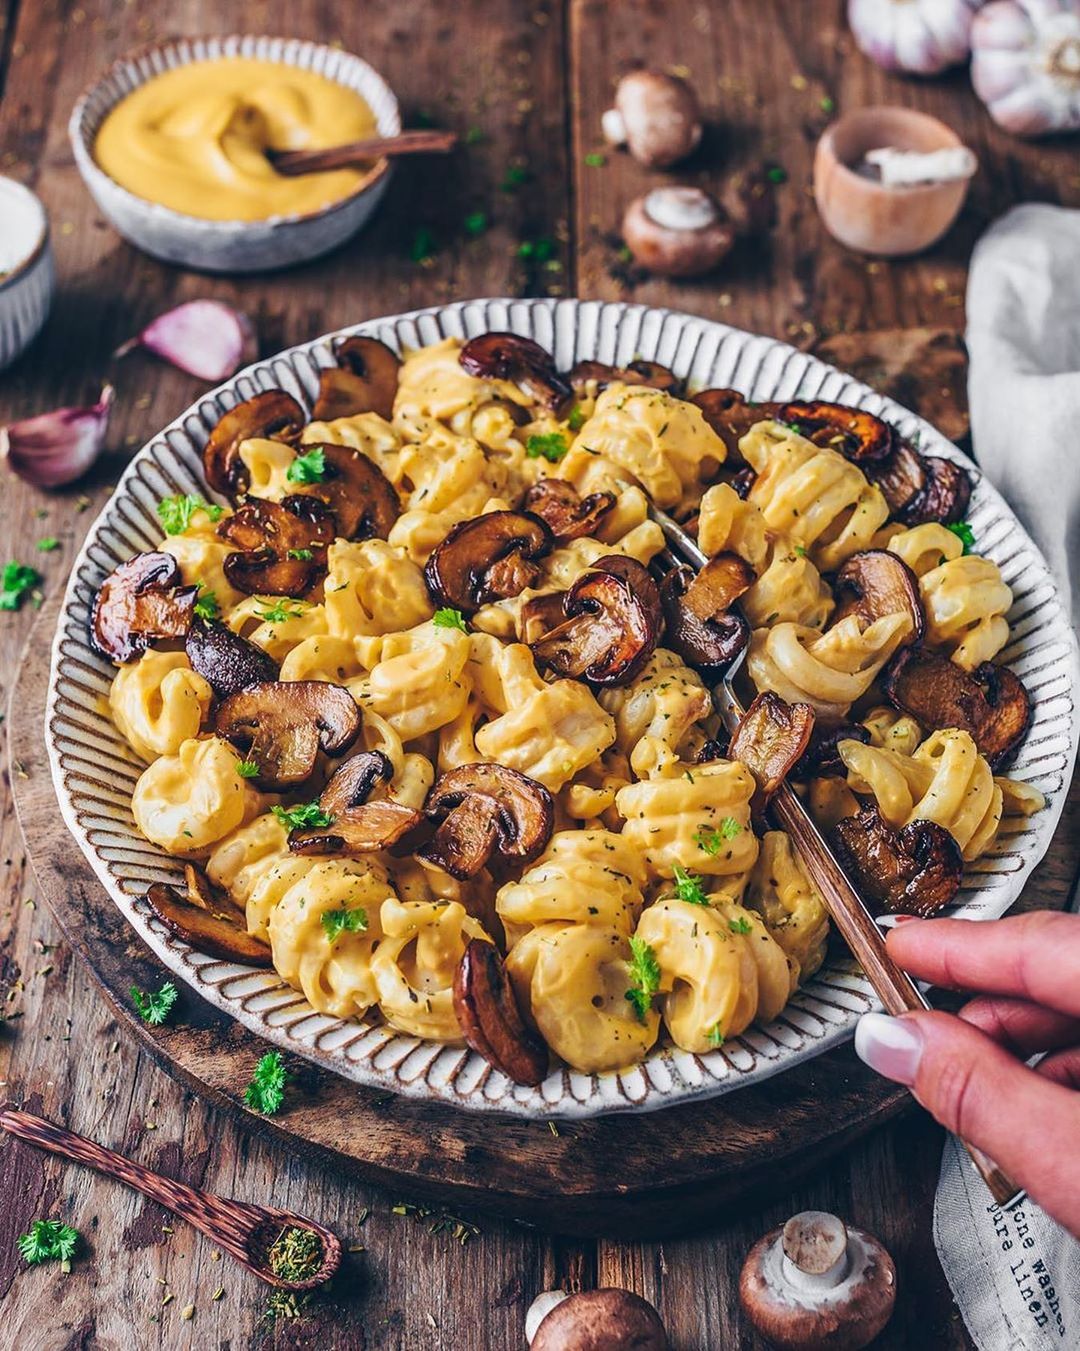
(968, 1071)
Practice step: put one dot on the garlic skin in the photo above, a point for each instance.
(205, 338)
(920, 37)
(56, 448)
(1026, 64)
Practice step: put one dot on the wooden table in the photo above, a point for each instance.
(526, 84)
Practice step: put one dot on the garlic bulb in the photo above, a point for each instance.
(922, 37)
(1026, 64)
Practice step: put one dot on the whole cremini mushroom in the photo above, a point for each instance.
(595, 1320)
(677, 231)
(656, 116)
(814, 1283)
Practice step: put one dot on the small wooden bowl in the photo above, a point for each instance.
(871, 218)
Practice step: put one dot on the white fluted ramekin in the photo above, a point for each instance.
(231, 246)
(26, 291)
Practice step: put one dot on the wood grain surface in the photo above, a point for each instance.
(528, 81)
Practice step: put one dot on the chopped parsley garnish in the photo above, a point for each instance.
(296, 1253)
(18, 579)
(207, 606)
(595, 160)
(449, 618)
(645, 975)
(278, 613)
(47, 545)
(247, 769)
(552, 447)
(475, 224)
(536, 250)
(713, 838)
(796, 427)
(515, 177)
(308, 468)
(964, 533)
(266, 1092)
(800, 552)
(338, 922)
(154, 1008)
(175, 513)
(302, 815)
(828, 104)
(740, 926)
(688, 887)
(474, 136)
(301, 555)
(48, 1241)
(576, 419)
(423, 245)
(714, 1036)
(776, 174)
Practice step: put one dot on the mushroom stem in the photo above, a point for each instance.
(815, 1251)
(613, 125)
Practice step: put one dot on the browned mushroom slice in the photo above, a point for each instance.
(855, 433)
(901, 476)
(701, 626)
(218, 933)
(945, 496)
(614, 621)
(822, 755)
(281, 545)
(364, 502)
(648, 373)
(357, 826)
(139, 603)
(486, 814)
(282, 726)
(507, 356)
(225, 660)
(990, 702)
(273, 415)
(731, 417)
(490, 1019)
(539, 615)
(912, 871)
(875, 583)
(487, 559)
(365, 380)
(769, 740)
(564, 511)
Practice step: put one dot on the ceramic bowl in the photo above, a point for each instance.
(231, 246)
(26, 263)
(865, 215)
(94, 771)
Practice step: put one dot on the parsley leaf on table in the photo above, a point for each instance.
(18, 579)
(266, 1092)
(47, 1241)
(154, 1008)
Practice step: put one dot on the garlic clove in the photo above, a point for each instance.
(56, 448)
(205, 338)
(921, 37)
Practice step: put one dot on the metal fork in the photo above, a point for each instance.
(848, 911)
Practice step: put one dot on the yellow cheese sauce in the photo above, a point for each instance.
(195, 138)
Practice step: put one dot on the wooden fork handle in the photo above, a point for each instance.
(227, 1223)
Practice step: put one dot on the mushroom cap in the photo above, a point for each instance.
(357, 826)
(825, 1305)
(509, 356)
(486, 559)
(365, 380)
(912, 871)
(564, 511)
(770, 739)
(227, 661)
(364, 502)
(141, 602)
(272, 414)
(900, 476)
(269, 537)
(217, 930)
(701, 626)
(283, 724)
(822, 755)
(614, 621)
(731, 417)
(638, 372)
(944, 497)
(858, 435)
(661, 119)
(677, 232)
(875, 583)
(490, 1019)
(484, 812)
(608, 1319)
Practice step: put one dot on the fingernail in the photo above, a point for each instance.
(905, 919)
(892, 1046)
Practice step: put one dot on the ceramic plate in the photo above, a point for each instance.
(94, 771)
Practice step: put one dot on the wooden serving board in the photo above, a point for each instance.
(630, 1176)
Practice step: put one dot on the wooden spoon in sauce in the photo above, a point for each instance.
(247, 1231)
(293, 162)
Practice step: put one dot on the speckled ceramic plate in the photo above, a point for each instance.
(95, 773)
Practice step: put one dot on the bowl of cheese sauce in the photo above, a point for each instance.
(173, 145)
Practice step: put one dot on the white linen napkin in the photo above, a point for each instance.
(1015, 1275)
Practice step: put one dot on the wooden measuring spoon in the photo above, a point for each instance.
(246, 1231)
(293, 162)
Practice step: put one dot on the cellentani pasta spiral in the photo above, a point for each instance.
(647, 906)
